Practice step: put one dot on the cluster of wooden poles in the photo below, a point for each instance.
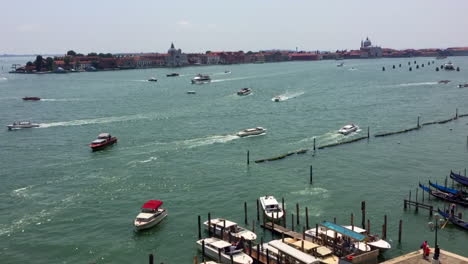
(417, 66)
(384, 134)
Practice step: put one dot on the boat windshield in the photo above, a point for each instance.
(272, 208)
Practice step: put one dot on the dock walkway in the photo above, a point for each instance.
(416, 258)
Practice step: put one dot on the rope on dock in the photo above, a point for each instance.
(342, 142)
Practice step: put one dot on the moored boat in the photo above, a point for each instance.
(151, 214)
(459, 199)
(152, 79)
(31, 98)
(223, 251)
(331, 229)
(221, 225)
(459, 178)
(200, 79)
(449, 66)
(244, 91)
(372, 240)
(340, 64)
(454, 219)
(348, 129)
(174, 74)
(251, 131)
(103, 140)
(271, 208)
(22, 124)
(447, 189)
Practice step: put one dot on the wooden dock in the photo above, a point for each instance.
(279, 229)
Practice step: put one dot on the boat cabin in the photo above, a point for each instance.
(225, 247)
(149, 211)
(271, 205)
(226, 224)
(291, 255)
(104, 136)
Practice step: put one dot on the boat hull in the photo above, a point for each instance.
(225, 258)
(150, 224)
(97, 147)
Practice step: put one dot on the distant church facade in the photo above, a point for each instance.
(370, 51)
(175, 57)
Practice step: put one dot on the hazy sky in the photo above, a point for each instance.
(55, 26)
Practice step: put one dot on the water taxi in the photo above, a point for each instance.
(373, 240)
(251, 132)
(22, 124)
(174, 74)
(201, 79)
(244, 91)
(271, 208)
(31, 98)
(276, 98)
(151, 214)
(332, 231)
(219, 225)
(223, 251)
(103, 140)
(449, 66)
(152, 79)
(348, 129)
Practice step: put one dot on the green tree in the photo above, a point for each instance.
(80, 54)
(92, 54)
(67, 60)
(49, 63)
(29, 63)
(71, 53)
(208, 52)
(39, 62)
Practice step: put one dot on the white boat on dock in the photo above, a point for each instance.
(223, 251)
(236, 231)
(374, 241)
(251, 132)
(271, 208)
(151, 215)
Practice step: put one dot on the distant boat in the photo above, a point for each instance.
(152, 79)
(444, 81)
(191, 92)
(271, 207)
(251, 131)
(348, 129)
(31, 98)
(151, 214)
(200, 79)
(174, 74)
(277, 98)
(103, 140)
(22, 124)
(449, 66)
(340, 65)
(227, 71)
(463, 85)
(244, 91)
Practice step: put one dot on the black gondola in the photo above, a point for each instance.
(454, 219)
(458, 199)
(459, 178)
(447, 189)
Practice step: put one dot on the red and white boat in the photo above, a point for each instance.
(31, 98)
(151, 214)
(103, 140)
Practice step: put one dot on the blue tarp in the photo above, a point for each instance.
(344, 231)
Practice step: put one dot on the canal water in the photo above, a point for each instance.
(62, 203)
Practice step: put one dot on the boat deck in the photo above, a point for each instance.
(416, 258)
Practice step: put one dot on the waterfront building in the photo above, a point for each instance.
(212, 58)
(460, 51)
(304, 56)
(175, 57)
(370, 51)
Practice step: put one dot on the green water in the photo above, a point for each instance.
(61, 203)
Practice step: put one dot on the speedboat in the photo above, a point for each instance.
(227, 72)
(271, 208)
(151, 214)
(251, 131)
(22, 124)
(191, 92)
(444, 81)
(340, 65)
(152, 79)
(463, 85)
(449, 66)
(244, 91)
(103, 140)
(348, 129)
(174, 74)
(374, 241)
(322, 231)
(31, 98)
(220, 224)
(277, 98)
(200, 79)
(216, 248)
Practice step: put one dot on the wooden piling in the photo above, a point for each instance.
(416, 197)
(219, 253)
(297, 214)
(209, 224)
(385, 228)
(363, 211)
(303, 238)
(418, 126)
(456, 113)
(368, 227)
(203, 250)
(314, 143)
(316, 232)
(311, 174)
(199, 227)
(258, 253)
(334, 220)
(409, 199)
(399, 230)
(284, 211)
(250, 249)
(245, 213)
(258, 211)
(151, 259)
(248, 157)
(267, 256)
(253, 226)
(352, 221)
(307, 217)
(292, 222)
(195, 260)
(404, 204)
(368, 133)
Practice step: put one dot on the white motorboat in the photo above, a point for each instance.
(227, 71)
(200, 79)
(251, 131)
(191, 92)
(331, 235)
(277, 98)
(22, 124)
(220, 224)
(449, 66)
(244, 91)
(340, 65)
(374, 241)
(215, 247)
(348, 129)
(151, 214)
(152, 79)
(271, 208)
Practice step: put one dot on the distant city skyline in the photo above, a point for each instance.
(53, 27)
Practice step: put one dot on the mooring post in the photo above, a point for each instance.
(284, 211)
(272, 228)
(151, 259)
(195, 260)
(385, 227)
(363, 211)
(209, 224)
(417, 196)
(316, 232)
(250, 249)
(399, 230)
(456, 113)
(431, 210)
(219, 253)
(245, 213)
(292, 221)
(409, 200)
(311, 175)
(334, 220)
(258, 211)
(307, 217)
(199, 227)
(282, 237)
(253, 226)
(352, 221)
(368, 227)
(267, 256)
(404, 204)
(258, 253)
(314, 143)
(418, 123)
(303, 238)
(248, 157)
(203, 250)
(368, 133)
(297, 213)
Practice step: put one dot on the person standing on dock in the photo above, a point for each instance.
(424, 246)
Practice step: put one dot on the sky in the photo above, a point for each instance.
(56, 26)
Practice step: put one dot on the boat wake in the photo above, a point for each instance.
(135, 162)
(287, 96)
(22, 192)
(230, 79)
(3, 79)
(61, 100)
(417, 84)
(101, 120)
(198, 142)
(327, 138)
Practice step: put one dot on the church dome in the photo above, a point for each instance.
(367, 42)
(172, 49)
